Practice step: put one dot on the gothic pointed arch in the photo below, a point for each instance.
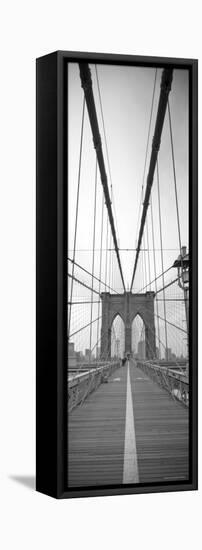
(138, 337)
(117, 336)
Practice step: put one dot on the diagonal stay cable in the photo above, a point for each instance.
(83, 284)
(166, 286)
(82, 328)
(89, 273)
(169, 323)
(155, 279)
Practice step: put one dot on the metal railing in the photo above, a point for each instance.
(175, 382)
(84, 367)
(81, 385)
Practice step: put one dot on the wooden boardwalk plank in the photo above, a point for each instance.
(96, 433)
(162, 434)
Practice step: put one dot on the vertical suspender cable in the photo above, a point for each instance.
(100, 269)
(110, 259)
(86, 83)
(162, 263)
(93, 255)
(154, 258)
(106, 255)
(106, 146)
(110, 244)
(144, 256)
(175, 180)
(148, 254)
(143, 277)
(166, 82)
(147, 148)
(77, 209)
(176, 200)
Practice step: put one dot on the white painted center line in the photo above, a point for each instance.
(130, 465)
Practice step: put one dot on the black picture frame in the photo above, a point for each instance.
(51, 276)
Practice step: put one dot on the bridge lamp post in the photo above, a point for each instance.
(182, 265)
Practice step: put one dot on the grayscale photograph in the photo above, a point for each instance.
(128, 275)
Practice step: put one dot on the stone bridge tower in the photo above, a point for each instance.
(128, 305)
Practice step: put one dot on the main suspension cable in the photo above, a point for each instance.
(77, 209)
(166, 82)
(86, 83)
(147, 148)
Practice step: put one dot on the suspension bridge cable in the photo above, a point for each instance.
(146, 155)
(169, 323)
(161, 241)
(144, 257)
(166, 82)
(110, 262)
(108, 162)
(154, 259)
(162, 343)
(171, 299)
(93, 254)
(89, 273)
(147, 148)
(103, 122)
(156, 278)
(82, 283)
(125, 249)
(110, 244)
(83, 303)
(77, 209)
(86, 83)
(106, 145)
(82, 328)
(100, 269)
(106, 255)
(148, 253)
(110, 174)
(174, 177)
(176, 199)
(166, 286)
(143, 279)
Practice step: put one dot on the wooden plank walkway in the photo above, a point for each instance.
(161, 426)
(97, 430)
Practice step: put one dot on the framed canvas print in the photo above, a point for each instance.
(116, 274)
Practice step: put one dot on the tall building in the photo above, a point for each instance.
(157, 353)
(87, 355)
(72, 360)
(117, 347)
(141, 349)
(168, 354)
